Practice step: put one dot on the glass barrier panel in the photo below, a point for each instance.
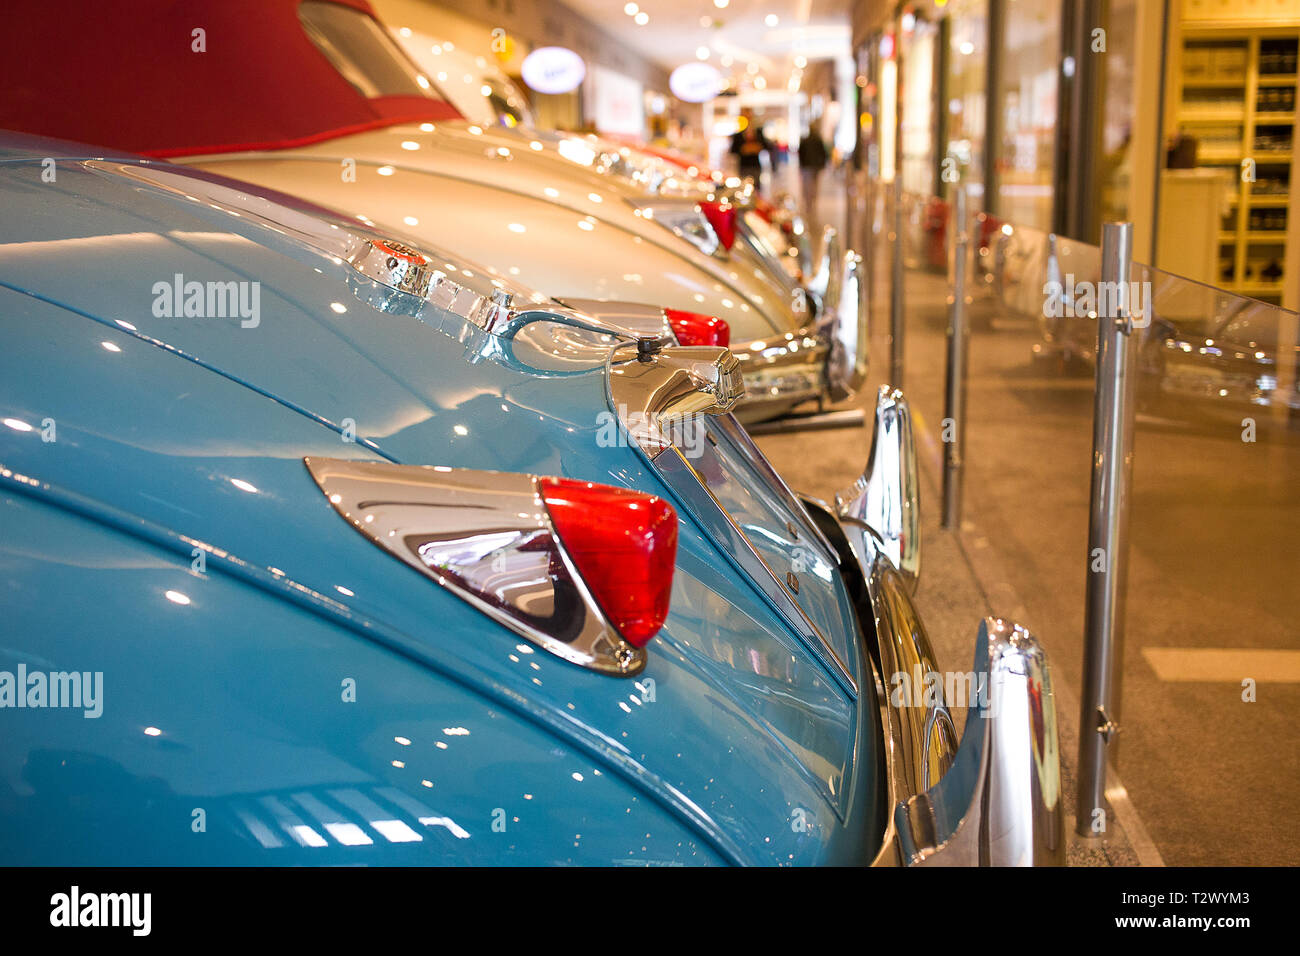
(1210, 664)
(1214, 558)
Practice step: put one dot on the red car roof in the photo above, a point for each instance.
(88, 70)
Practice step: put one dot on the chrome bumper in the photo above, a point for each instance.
(1000, 803)
(826, 360)
(996, 798)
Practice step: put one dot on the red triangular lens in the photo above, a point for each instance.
(722, 217)
(694, 328)
(623, 544)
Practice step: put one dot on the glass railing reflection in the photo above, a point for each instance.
(1214, 516)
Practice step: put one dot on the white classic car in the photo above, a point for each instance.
(316, 100)
(485, 95)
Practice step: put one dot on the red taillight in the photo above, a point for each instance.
(623, 544)
(722, 217)
(692, 328)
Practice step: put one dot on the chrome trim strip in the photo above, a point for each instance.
(886, 497)
(832, 252)
(456, 526)
(842, 326)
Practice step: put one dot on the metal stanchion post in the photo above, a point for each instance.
(954, 405)
(896, 290)
(1112, 468)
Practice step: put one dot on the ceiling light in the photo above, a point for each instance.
(702, 53)
(631, 9)
(801, 61)
(642, 18)
(760, 83)
(771, 19)
(721, 4)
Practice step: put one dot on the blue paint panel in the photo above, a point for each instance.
(233, 705)
(744, 727)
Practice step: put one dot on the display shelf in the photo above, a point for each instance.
(1212, 116)
(1237, 92)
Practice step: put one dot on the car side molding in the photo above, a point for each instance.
(832, 252)
(886, 497)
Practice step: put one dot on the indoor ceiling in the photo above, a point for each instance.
(740, 37)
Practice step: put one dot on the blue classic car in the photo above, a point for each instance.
(318, 546)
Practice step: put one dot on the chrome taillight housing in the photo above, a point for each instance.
(580, 569)
(688, 220)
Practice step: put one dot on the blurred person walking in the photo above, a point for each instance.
(748, 146)
(812, 160)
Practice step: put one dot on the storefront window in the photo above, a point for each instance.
(963, 93)
(1119, 97)
(918, 118)
(1027, 105)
